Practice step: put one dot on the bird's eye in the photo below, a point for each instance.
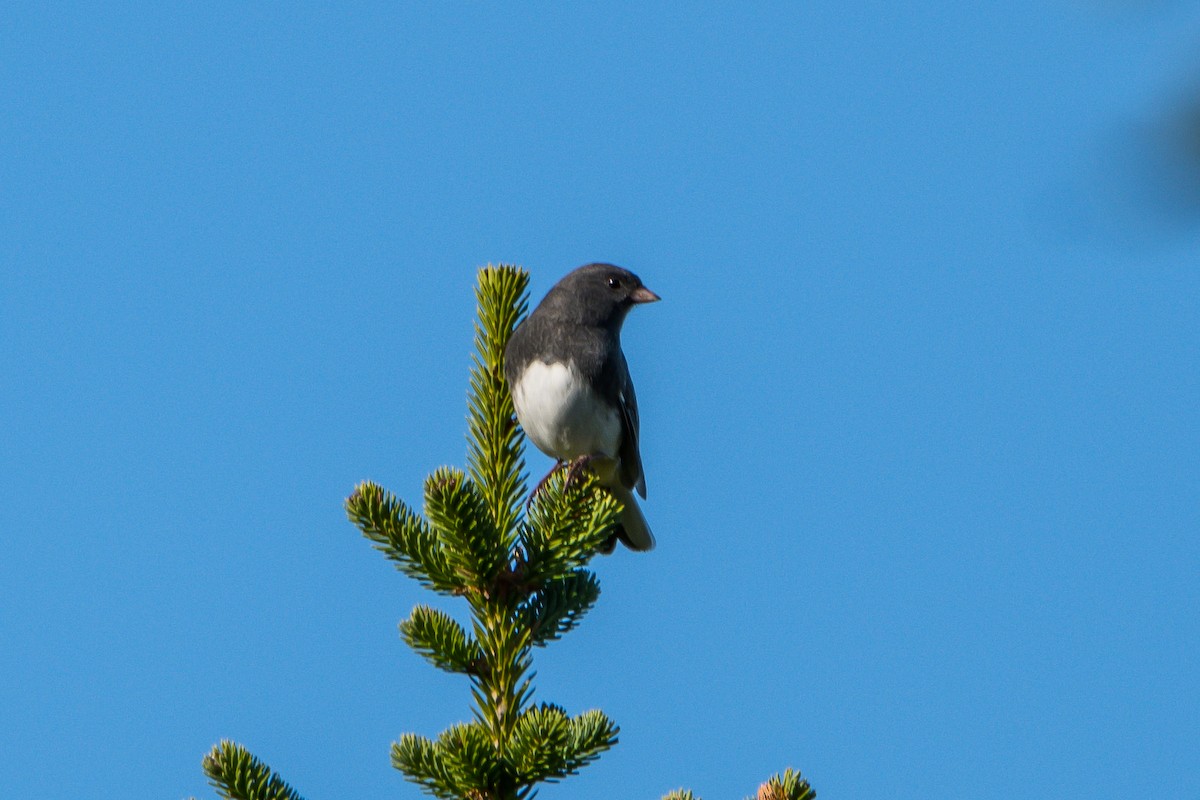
(614, 283)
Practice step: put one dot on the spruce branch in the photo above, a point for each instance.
(557, 607)
(537, 750)
(238, 775)
(568, 521)
(459, 516)
(592, 732)
(471, 760)
(442, 640)
(494, 446)
(423, 763)
(402, 536)
(548, 746)
(504, 686)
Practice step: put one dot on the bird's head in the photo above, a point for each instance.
(600, 294)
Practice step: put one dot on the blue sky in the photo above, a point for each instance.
(919, 406)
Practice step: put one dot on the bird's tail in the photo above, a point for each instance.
(633, 531)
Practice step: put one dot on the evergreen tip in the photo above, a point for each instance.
(238, 775)
(788, 786)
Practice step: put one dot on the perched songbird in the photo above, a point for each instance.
(571, 387)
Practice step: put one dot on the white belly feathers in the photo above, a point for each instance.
(561, 415)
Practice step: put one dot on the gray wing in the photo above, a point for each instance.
(631, 456)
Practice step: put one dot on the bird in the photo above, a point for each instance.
(572, 391)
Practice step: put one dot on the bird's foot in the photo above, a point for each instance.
(575, 471)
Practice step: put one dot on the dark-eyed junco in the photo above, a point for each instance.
(571, 387)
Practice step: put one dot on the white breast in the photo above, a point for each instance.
(562, 415)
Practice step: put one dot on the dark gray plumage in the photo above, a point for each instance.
(571, 386)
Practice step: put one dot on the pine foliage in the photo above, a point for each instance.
(524, 575)
(237, 775)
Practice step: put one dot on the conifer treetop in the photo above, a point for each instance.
(524, 574)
